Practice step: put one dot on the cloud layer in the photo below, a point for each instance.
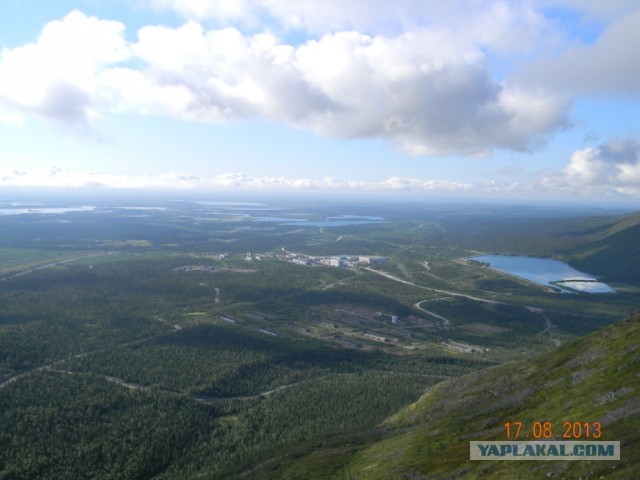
(56, 177)
(611, 168)
(418, 73)
(430, 90)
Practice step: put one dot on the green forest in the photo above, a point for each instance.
(171, 347)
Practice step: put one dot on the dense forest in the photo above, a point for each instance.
(167, 346)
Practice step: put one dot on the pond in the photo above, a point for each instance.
(547, 272)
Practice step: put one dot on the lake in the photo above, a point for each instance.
(547, 272)
(341, 221)
(44, 210)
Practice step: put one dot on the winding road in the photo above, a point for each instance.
(543, 333)
(454, 294)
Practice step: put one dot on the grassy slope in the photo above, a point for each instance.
(595, 378)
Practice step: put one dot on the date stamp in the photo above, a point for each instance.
(548, 430)
(546, 440)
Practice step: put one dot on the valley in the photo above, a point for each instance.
(201, 339)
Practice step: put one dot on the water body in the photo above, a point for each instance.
(44, 210)
(547, 272)
(341, 221)
(357, 218)
(278, 219)
(142, 208)
(232, 204)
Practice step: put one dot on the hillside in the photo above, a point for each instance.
(612, 252)
(595, 378)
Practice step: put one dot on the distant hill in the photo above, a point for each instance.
(613, 251)
(597, 378)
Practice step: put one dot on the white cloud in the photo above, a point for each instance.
(610, 167)
(64, 178)
(587, 167)
(501, 24)
(429, 92)
(426, 84)
(55, 76)
(609, 170)
(126, 90)
(201, 9)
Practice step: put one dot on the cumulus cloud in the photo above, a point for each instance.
(613, 166)
(430, 91)
(55, 76)
(500, 24)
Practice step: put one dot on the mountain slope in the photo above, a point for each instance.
(594, 379)
(613, 253)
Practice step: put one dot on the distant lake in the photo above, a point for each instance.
(278, 219)
(232, 204)
(340, 221)
(547, 272)
(44, 210)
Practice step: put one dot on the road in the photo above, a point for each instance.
(50, 366)
(547, 326)
(454, 294)
(445, 320)
(544, 332)
(55, 264)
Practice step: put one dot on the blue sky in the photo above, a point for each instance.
(501, 99)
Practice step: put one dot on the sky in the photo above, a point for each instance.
(527, 99)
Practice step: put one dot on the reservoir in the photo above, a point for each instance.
(547, 272)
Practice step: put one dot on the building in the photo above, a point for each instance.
(374, 260)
